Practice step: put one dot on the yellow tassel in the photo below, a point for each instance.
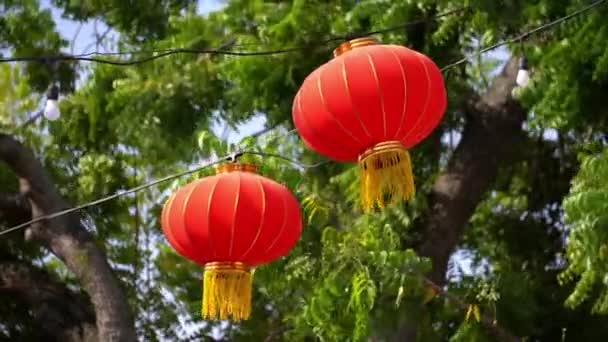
(429, 294)
(226, 291)
(386, 175)
(473, 309)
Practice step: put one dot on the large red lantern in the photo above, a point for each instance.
(371, 103)
(230, 223)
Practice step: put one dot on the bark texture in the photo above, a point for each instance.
(68, 240)
(492, 137)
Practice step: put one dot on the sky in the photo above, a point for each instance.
(85, 36)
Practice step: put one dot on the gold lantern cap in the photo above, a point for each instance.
(353, 44)
(236, 166)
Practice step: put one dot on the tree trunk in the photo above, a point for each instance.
(67, 239)
(492, 137)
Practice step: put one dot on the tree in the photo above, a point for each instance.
(392, 275)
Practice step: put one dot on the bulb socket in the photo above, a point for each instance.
(523, 63)
(53, 93)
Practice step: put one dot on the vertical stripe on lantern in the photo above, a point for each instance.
(179, 229)
(399, 123)
(324, 119)
(275, 223)
(417, 96)
(355, 142)
(221, 215)
(197, 219)
(380, 92)
(291, 233)
(166, 227)
(272, 249)
(206, 230)
(409, 137)
(364, 92)
(334, 95)
(351, 104)
(391, 85)
(251, 212)
(436, 108)
(235, 210)
(311, 136)
(245, 253)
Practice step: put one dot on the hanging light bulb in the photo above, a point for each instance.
(51, 109)
(523, 74)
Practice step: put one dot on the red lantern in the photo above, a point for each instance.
(371, 103)
(230, 223)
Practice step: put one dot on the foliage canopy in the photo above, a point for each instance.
(352, 276)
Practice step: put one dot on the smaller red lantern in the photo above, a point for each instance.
(230, 223)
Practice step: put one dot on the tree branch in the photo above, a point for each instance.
(67, 239)
(275, 334)
(263, 131)
(492, 137)
(28, 122)
(487, 322)
(15, 207)
(14, 204)
(73, 43)
(59, 313)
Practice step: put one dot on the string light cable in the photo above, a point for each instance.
(289, 160)
(221, 50)
(228, 157)
(524, 35)
(233, 156)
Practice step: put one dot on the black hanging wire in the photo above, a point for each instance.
(528, 33)
(229, 157)
(221, 50)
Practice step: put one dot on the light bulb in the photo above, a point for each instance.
(51, 110)
(523, 77)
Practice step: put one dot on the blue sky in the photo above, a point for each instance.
(86, 34)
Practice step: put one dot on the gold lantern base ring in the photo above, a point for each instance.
(227, 291)
(385, 175)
